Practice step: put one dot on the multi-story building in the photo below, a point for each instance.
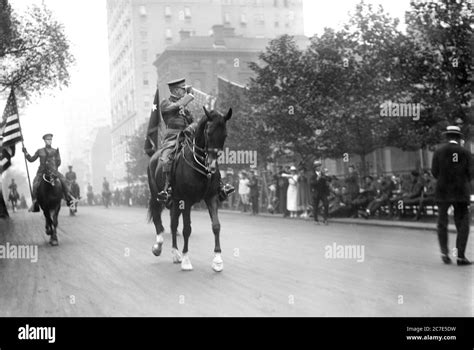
(201, 59)
(141, 29)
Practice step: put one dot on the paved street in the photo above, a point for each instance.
(103, 266)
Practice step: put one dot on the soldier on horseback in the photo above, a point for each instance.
(71, 178)
(13, 189)
(49, 159)
(177, 119)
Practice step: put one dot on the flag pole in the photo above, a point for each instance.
(22, 142)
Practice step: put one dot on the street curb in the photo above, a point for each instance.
(362, 222)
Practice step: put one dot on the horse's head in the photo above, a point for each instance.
(214, 133)
(50, 175)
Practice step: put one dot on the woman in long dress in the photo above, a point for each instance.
(292, 192)
(303, 193)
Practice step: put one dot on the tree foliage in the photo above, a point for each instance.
(137, 159)
(337, 86)
(34, 51)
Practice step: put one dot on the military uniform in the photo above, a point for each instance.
(177, 118)
(71, 176)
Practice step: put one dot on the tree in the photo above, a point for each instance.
(440, 74)
(34, 51)
(245, 130)
(350, 74)
(275, 95)
(138, 160)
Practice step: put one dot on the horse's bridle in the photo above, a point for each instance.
(201, 160)
(51, 180)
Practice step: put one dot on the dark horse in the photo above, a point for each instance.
(13, 197)
(195, 176)
(50, 193)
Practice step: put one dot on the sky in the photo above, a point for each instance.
(85, 23)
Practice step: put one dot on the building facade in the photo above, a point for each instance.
(138, 30)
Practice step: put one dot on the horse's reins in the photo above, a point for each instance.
(51, 182)
(202, 159)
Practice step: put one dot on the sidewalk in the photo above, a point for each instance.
(410, 225)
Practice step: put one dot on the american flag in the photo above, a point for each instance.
(10, 133)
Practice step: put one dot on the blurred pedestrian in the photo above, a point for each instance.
(292, 192)
(451, 167)
(303, 193)
(244, 191)
(253, 184)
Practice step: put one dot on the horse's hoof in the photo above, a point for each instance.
(186, 264)
(157, 247)
(54, 242)
(217, 263)
(177, 256)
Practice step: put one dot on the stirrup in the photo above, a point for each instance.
(163, 196)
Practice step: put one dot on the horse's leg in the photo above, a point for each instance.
(48, 222)
(212, 206)
(174, 222)
(54, 218)
(186, 263)
(155, 208)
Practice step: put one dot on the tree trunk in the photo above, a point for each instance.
(3, 206)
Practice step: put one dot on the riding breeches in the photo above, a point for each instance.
(167, 150)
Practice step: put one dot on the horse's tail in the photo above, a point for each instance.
(153, 205)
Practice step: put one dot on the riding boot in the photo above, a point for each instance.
(225, 191)
(34, 207)
(165, 195)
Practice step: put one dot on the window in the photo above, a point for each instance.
(169, 35)
(145, 79)
(275, 3)
(143, 35)
(226, 18)
(260, 18)
(144, 56)
(277, 24)
(243, 18)
(181, 15)
(291, 15)
(142, 11)
(285, 3)
(167, 11)
(187, 12)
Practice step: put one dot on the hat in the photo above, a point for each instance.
(453, 130)
(69, 166)
(177, 83)
(317, 163)
(292, 168)
(45, 136)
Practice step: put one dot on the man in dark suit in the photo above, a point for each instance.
(451, 168)
(319, 185)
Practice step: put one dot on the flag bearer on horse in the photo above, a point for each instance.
(49, 159)
(177, 119)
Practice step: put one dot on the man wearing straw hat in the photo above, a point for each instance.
(451, 168)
